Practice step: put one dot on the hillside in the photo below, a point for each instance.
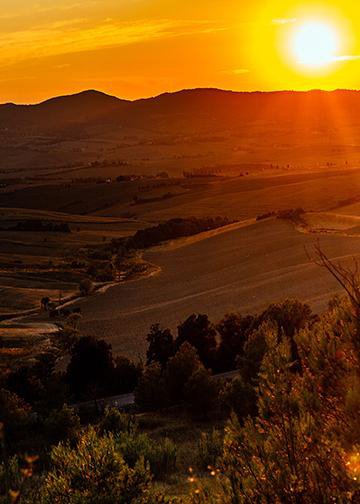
(197, 129)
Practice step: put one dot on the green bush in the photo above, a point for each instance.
(160, 454)
(115, 422)
(93, 472)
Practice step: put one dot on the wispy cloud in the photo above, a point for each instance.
(80, 35)
(284, 21)
(240, 71)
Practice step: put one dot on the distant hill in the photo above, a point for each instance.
(186, 108)
(92, 133)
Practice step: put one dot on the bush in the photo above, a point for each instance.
(62, 424)
(160, 454)
(210, 448)
(15, 414)
(86, 287)
(201, 393)
(116, 422)
(152, 392)
(93, 472)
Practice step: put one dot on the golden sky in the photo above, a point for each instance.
(138, 48)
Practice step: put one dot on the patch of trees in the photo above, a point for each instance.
(292, 436)
(292, 214)
(175, 228)
(41, 226)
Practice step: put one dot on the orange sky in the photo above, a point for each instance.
(136, 48)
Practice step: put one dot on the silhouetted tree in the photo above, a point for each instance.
(200, 393)
(91, 366)
(180, 368)
(126, 375)
(238, 396)
(234, 331)
(161, 345)
(290, 316)
(152, 392)
(201, 334)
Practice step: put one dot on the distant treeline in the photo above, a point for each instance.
(175, 228)
(42, 226)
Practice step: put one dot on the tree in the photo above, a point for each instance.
(91, 367)
(238, 396)
(93, 472)
(180, 368)
(234, 331)
(290, 317)
(201, 334)
(25, 383)
(161, 345)
(201, 393)
(300, 446)
(152, 392)
(62, 424)
(126, 375)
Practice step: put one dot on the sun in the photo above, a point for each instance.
(315, 44)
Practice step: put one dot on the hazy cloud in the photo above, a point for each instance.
(78, 35)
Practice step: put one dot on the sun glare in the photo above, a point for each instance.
(315, 44)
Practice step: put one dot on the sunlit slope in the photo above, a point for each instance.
(242, 270)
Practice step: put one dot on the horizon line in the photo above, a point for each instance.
(183, 90)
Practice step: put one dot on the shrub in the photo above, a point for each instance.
(115, 422)
(62, 424)
(86, 287)
(210, 448)
(93, 472)
(201, 393)
(15, 414)
(160, 454)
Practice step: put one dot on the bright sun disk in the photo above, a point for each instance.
(315, 44)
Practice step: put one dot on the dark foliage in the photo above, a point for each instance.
(41, 226)
(161, 345)
(234, 331)
(126, 375)
(201, 334)
(91, 367)
(174, 228)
